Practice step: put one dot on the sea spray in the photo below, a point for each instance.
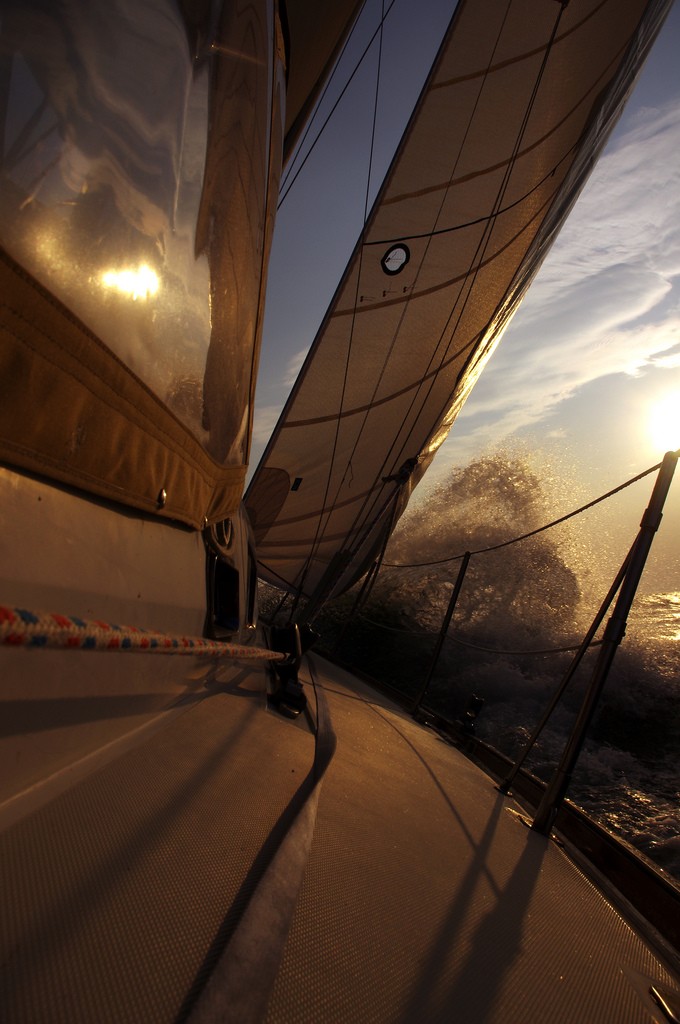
(537, 595)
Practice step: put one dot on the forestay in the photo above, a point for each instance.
(518, 104)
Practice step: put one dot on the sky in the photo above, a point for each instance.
(594, 351)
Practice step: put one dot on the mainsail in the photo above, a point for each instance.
(519, 102)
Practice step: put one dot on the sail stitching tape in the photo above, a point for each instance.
(527, 54)
(477, 259)
(477, 220)
(482, 263)
(20, 627)
(522, 152)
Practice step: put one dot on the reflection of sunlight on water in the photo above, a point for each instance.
(658, 615)
(674, 601)
(138, 284)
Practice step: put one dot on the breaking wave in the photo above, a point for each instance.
(536, 595)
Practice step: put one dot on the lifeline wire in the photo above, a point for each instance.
(532, 533)
(468, 643)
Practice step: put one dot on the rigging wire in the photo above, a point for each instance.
(371, 575)
(287, 185)
(495, 547)
(319, 530)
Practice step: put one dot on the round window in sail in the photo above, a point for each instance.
(395, 259)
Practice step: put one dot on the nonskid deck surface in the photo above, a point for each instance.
(424, 896)
(114, 894)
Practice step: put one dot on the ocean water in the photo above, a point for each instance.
(533, 596)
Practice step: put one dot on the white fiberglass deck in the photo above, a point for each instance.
(424, 897)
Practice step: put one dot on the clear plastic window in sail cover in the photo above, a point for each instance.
(135, 171)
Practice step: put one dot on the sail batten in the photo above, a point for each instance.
(520, 100)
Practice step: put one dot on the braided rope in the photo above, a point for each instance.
(22, 628)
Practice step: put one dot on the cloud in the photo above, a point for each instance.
(667, 362)
(293, 368)
(266, 416)
(264, 422)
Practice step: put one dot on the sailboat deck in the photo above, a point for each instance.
(424, 896)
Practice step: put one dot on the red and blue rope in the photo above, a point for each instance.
(20, 627)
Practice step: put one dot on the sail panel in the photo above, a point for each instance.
(494, 156)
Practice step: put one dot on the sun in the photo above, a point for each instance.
(664, 423)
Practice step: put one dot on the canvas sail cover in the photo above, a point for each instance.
(519, 102)
(140, 151)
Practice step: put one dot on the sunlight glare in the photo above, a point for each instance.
(138, 284)
(664, 423)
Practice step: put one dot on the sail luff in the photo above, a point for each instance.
(331, 312)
